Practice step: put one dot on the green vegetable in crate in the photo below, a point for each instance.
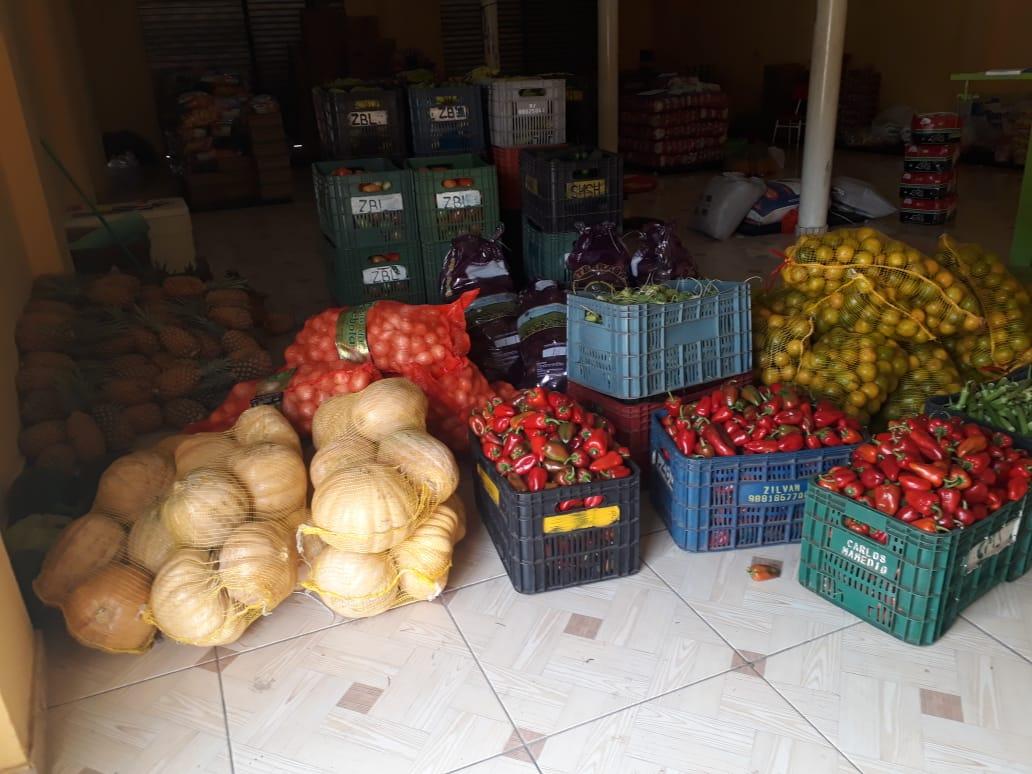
(1005, 404)
(653, 293)
(930, 372)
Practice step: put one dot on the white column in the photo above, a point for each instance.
(489, 16)
(829, 30)
(608, 72)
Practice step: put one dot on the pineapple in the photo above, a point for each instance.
(178, 381)
(163, 360)
(120, 343)
(44, 332)
(228, 297)
(146, 341)
(150, 294)
(118, 433)
(50, 306)
(238, 340)
(246, 365)
(113, 289)
(41, 405)
(85, 437)
(134, 366)
(182, 286)
(34, 439)
(127, 392)
(179, 341)
(32, 378)
(180, 412)
(231, 317)
(48, 360)
(210, 347)
(144, 417)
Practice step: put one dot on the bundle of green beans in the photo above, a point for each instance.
(653, 293)
(1006, 404)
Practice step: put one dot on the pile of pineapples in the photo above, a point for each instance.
(107, 360)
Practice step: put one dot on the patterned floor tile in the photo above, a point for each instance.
(74, 671)
(298, 614)
(502, 764)
(169, 724)
(399, 692)
(957, 705)
(758, 616)
(1006, 613)
(563, 657)
(730, 723)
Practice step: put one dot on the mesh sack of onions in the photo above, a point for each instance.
(384, 515)
(452, 396)
(193, 538)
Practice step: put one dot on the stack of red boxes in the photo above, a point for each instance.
(664, 130)
(928, 189)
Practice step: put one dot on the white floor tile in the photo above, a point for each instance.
(399, 692)
(756, 616)
(169, 724)
(563, 657)
(1006, 613)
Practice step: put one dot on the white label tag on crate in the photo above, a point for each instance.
(586, 189)
(441, 113)
(365, 205)
(558, 351)
(992, 545)
(507, 341)
(367, 118)
(377, 275)
(530, 108)
(458, 200)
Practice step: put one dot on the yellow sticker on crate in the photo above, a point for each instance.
(570, 522)
(586, 189)
(489, 485)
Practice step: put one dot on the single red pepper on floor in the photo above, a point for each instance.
(536, 479)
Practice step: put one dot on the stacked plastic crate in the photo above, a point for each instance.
(928, 188)
(664, 130)
(454, 195)
(563, 187)
(359, 121)
(368, 218)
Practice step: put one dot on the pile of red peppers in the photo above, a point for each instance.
(936, 474)
(544, 440)
(733, 420)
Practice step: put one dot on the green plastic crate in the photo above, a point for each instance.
(915, 585)
(447, 212)
(351, 217)
(357, 276)
(433, 259)
(545, 253)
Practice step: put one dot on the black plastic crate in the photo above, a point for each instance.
(566, 186)
(446, 119)
(360, 123)
(543, 548)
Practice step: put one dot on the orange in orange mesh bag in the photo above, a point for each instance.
(192, 538)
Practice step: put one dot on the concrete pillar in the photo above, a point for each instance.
(492, 54)
(608, 72)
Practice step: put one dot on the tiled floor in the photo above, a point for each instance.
(688, 666)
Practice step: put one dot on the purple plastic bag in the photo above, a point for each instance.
(474, 262)
(542, 331)
(598, 262)
(660, 256)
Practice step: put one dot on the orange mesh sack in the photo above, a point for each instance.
(384, 519)
(857, 371)
(1005, 343)
(192, 538)
(930, 371)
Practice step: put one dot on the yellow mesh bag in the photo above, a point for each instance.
(1005, 343)
(930, 371)
(192, 538)
(384, 516)
(857, 371)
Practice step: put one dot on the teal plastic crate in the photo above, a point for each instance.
(640, 350)
(354, 213)
(915, 584)
(460, 196)
(544, 254)
(433, 259)
(359, 275)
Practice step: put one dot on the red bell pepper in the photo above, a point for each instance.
(976, 463)
(977, 493)
(605, 462)
(620, 471)
(702, 407)
(504, 466)
(971, 445)
(510, 442)
(853, 489)
(491, 450)
(478, 425)
(579, 458)
(685, 442)
(965, 516)
(517, 482)
(958, 478)
(529, 420)
(865, 454)
(1017, 487)
(828, 437)
(556, 450)
(535, 398)
(826, 415)
(929, 473)
(886, 498)
(856, 526)
(850, 436)
(791, 416)
(950, 500)
(593, 501)
(503, 410)
(912, 483)
(994, 501)
(715, 436)
(925, 503)
(761, 447)
(925, 525)
(721, 414)
(792, 442)
(872, 477)
(890, 467)
(569, 505)
(703, 449)
(595, 442)
(536, 479)
(907, 514)
(524, 464)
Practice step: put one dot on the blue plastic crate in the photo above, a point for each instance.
(641, 350)
(733, 502)
(446, 119)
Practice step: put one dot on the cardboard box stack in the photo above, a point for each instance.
(264, 125)
(928, 188)
(683, 126)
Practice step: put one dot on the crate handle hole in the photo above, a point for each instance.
(591, 501)
(532, 92)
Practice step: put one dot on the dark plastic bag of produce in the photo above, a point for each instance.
(542, 331)
(660, 256)
(598, 262)
(474, 262)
